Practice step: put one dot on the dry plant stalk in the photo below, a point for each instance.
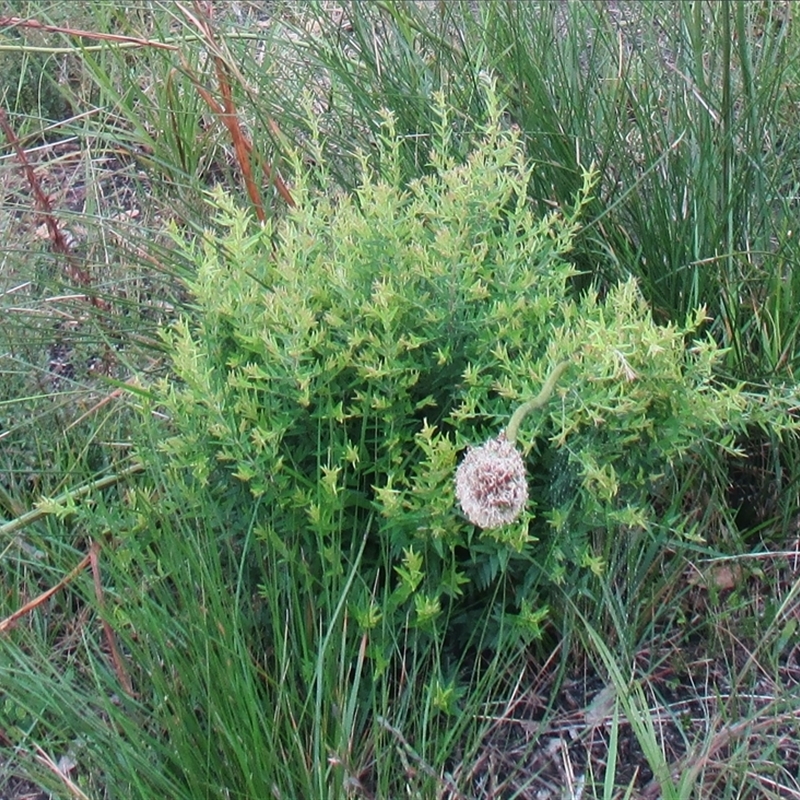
(227, 112)
(43, 758)
(19, 22)
(11, 620)
(111, 639)
(91, 559)
(58, 241)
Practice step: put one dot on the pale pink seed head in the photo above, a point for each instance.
(491, 484)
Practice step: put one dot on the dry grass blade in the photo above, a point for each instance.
(116, 657)
(8, 623)
(45, 760)
(115, 395)
(228, 114)
(75, 790)
(688, 769)
(91, 559)
(408, 754)
(18, 22)
(58, 241)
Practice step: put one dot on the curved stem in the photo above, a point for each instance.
(536, 402)
(46, 506)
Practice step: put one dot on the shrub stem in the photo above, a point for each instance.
(536, 402)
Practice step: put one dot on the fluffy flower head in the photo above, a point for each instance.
(491, 485)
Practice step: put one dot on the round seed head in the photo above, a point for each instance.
(491, 485)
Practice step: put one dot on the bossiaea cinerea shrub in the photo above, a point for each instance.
(341, 360)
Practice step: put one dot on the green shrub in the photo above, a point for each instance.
(340, 361)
